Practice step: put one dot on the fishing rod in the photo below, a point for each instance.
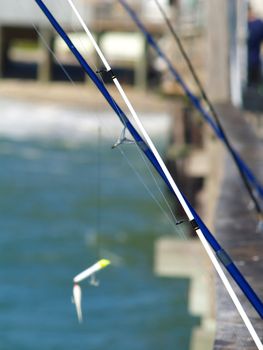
(153, 156)
(210, 106)
(246, 174)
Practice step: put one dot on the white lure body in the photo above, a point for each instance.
(77, 301)
(101, 264)
(91, 270)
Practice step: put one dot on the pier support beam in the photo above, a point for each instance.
(141, 70)
(178, 259)
(45, 66)
(3, 51)
(218, 83)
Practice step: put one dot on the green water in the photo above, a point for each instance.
(61, 207)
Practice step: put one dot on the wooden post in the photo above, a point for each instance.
(218, 83)
(3, 51)
(141, 69)
(46, 64)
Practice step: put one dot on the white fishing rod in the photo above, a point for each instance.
(177, 192)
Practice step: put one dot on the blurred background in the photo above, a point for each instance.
(67, 198)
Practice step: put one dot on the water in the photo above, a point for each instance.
(65, 201)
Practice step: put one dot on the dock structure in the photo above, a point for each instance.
(175, 258)
(199, 176)
(236, 230)
(235, 226)
(16, 22)
(105, 19)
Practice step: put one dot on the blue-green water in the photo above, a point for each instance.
(59, 205)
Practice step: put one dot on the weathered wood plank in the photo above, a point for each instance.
(236, 231)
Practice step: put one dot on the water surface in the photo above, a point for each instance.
(66, 199)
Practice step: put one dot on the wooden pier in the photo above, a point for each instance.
(103, 19)
(235, 226)
(236, 229)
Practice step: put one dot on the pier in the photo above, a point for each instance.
(234, 222)
(236, 228)
(107, 22)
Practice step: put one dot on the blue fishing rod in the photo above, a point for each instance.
(197, 222)
(249, 179)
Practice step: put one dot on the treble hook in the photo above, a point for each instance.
(94, 281)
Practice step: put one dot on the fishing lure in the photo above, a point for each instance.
(88, 273)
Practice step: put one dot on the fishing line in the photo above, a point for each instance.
(81, 44)
(99, 192)
(153, 155)
(100, 251)
(176, 222)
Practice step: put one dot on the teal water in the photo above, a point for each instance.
(61, 206)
